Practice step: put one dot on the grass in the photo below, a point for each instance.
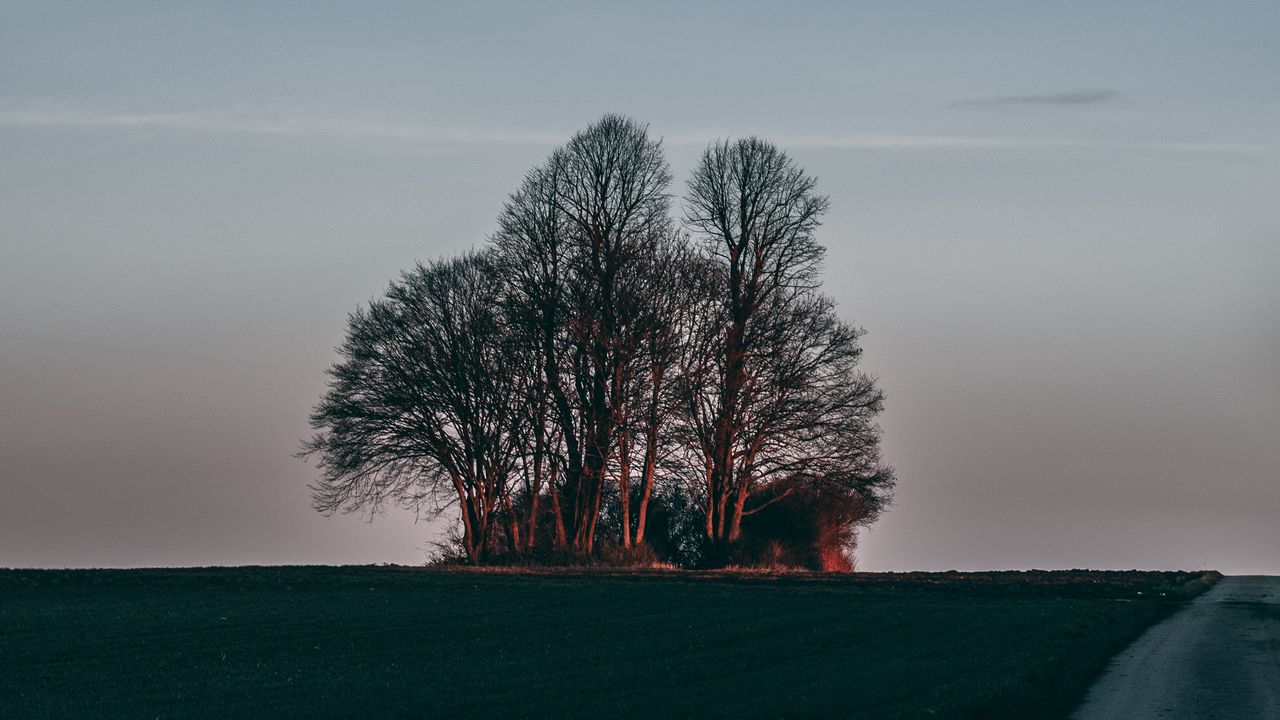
(403, 642)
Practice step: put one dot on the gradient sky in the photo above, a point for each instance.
(1059, 224)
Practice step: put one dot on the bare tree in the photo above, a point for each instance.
(419, 408)
(770, 385)
(531, 247)
(576, 237)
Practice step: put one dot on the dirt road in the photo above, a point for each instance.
(1217, 658)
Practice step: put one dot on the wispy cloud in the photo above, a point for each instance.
(285, 124)
(306, 124)
(978, 142)
(854, 141)
(1075, 97)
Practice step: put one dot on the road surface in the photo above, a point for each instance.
(1218, 658)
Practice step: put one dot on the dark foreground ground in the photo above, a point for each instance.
(401, 642)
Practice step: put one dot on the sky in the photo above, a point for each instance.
(1058, 223)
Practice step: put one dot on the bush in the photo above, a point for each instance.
(636, 556)
(801, 525)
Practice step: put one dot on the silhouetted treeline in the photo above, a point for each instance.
(604, 381)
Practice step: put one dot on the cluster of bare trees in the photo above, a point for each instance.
(601, 371)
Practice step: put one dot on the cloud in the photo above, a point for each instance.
(284, 124)
(977, 142)
(1076, 97)
(856, 141)
(313, 125)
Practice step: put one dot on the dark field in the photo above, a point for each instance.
(401, 642)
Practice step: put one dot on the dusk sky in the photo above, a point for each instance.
(1060, 226)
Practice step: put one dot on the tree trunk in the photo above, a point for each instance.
(650, 451)
(646, 491)
(735, 519)
(586, 511)
(530, 535)
(624, 485)
(535, 486)
(468, 522)
(722, 484)
(561, 535)
(513, 526)
(595, 518)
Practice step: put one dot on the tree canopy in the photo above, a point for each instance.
(602, 381)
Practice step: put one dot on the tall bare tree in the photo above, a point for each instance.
(531, 248)
(419, 408)
(770, 383)
(577, 236)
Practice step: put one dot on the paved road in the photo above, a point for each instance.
(1218, 658)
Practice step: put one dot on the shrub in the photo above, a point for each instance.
(802, 524)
